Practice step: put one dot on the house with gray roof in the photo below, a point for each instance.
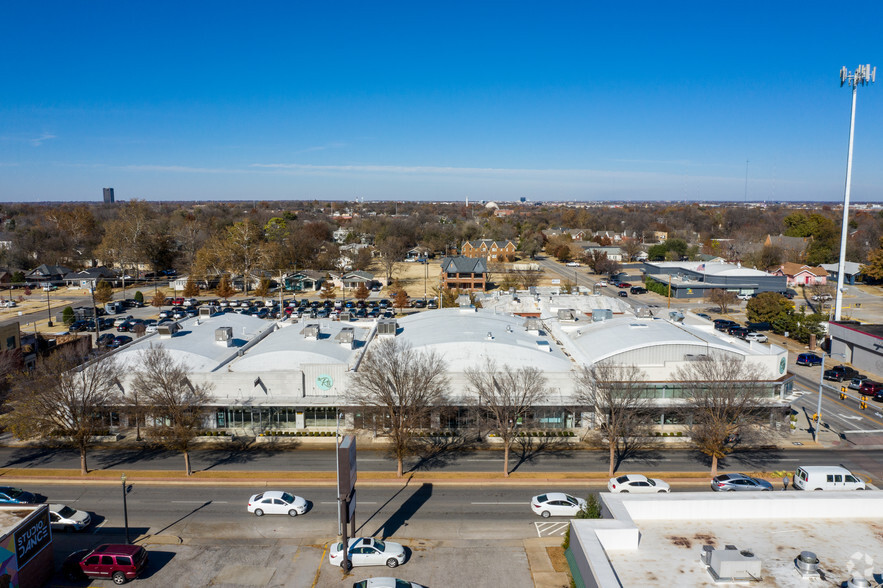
(464, 273)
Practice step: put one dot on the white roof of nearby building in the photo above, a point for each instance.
(289, 348)
(195, 343)
(710, 268)
(657, 539)
(850, 266)
(464, 337)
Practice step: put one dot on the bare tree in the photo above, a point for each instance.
(507, 394)
(618, 394)
(404, 386)
(176, 405)
(63, 399)
(723, 299)
(723, 396)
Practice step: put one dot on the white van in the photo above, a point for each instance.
(826, 478)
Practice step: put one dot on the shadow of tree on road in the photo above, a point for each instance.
(529, 449)
(436, 453)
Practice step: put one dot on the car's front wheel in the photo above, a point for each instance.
(119, 578)
(258, 512)
(392, 563)
(292, 513)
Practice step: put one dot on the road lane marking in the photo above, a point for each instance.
(864, 431)
(99, 526)
(358, 501)
(504, 503)
(199, 502)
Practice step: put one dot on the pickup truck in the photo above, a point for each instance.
(839, 373)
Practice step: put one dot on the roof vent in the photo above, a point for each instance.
(508, 328)
(311, 331)
(566, 314)
(489, 336)
(807, 564)
(544, 346)
(167, 330)
(387, 327)
(731, 564)
(224, 336)
(638, 325)
(858, 583)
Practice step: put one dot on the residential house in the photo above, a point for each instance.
(88, 277)
(489, 249)
(793, 248)
(852, 271)
(341, 235)
(613, 253)
(801, 275)
(304, 281)
(464, 273)
(47, 273)
(351, 280)
(419, 252)
(575, 234)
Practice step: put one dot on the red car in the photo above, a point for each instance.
(624, 285)
(870, 388)
(119, 563)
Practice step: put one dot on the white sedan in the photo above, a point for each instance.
(755, 336)
(386, 583)
(556, 504)
(275, 502)
(637, 483)
(65, 518)
(366, 551)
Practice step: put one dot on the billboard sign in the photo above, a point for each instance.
(346, 466)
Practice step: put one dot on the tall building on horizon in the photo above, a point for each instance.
(108, 195)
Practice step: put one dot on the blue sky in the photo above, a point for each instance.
(436, 101)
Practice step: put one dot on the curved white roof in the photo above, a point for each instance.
(462, 338)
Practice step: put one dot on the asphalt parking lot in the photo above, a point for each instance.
(304, 564)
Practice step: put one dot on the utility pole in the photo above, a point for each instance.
(862, 75)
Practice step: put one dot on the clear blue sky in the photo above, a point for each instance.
(419, 100)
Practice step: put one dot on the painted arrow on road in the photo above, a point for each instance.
(850, 417)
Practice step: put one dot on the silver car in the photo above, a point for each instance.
(738, 483)
(65, 518)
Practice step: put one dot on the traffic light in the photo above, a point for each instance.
(815, 417)
(843, 395)
(863, 404)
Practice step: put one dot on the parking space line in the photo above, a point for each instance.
(319, 569)
(551, 529)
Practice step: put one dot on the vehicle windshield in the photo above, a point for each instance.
(13, 492)
(622, 479)
(651, 481)
(287, 497)
(66, 512)
(570, 498)
(379, 545)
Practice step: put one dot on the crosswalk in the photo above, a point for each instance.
(556, 529)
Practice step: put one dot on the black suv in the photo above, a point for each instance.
(724, 324)
(638, 290)
(839, 373)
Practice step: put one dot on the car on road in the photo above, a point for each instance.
(636, 483)
(624, 285)
(703, 315)
(556, 504)
(367, 551)
(809, 359)
(755, 336)
(572, 264)
(65, 518)
(838, 373)
(822, 298)
(623, 294)
(116, 562)
(10, 495)
(738, 482)
(871, 388)
(276, 502)
(603, 283)
(386, 583)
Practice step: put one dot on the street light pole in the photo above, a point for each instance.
(337, 476)
(862, 75)
(125, 507)
(48, 310)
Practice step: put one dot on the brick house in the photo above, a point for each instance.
(489, 249)
(464, 273)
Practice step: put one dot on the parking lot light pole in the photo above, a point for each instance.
(125, 507)
(863, 74)
(337, 473)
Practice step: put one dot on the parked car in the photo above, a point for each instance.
(10, 495)
(809, 359)
(386, 583)
(703, 315)
(556, 504)
(276, 502)
(572, 264)
(638, 290)
(826, 478)
(120, 340)
(759, 326)
(65, 518)
(839, 373)
(738, 483)
(624, 285)
(724, 324)
(755, 336)
(738, 331)
(856, 382)
(871, 388)
(636, 483)
(119, 563)
(822, 298)
(105, 340)
(743, 296)
(366, 551)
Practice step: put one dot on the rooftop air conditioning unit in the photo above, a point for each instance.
(387, 327)
(533, 325)
(311, 331)
(167, 330)
(732, 564)
(566, 314)
(601, 314)
(224, 336)
(346, 337)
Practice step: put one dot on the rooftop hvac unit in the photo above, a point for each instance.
(643, 312)
(346, 336)
(601, 314)
(533, 325)
(167, 330)
(731, 564)
(224, 336)
(311, 331)
(207, 310)
(566, 314)
(387, 327)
